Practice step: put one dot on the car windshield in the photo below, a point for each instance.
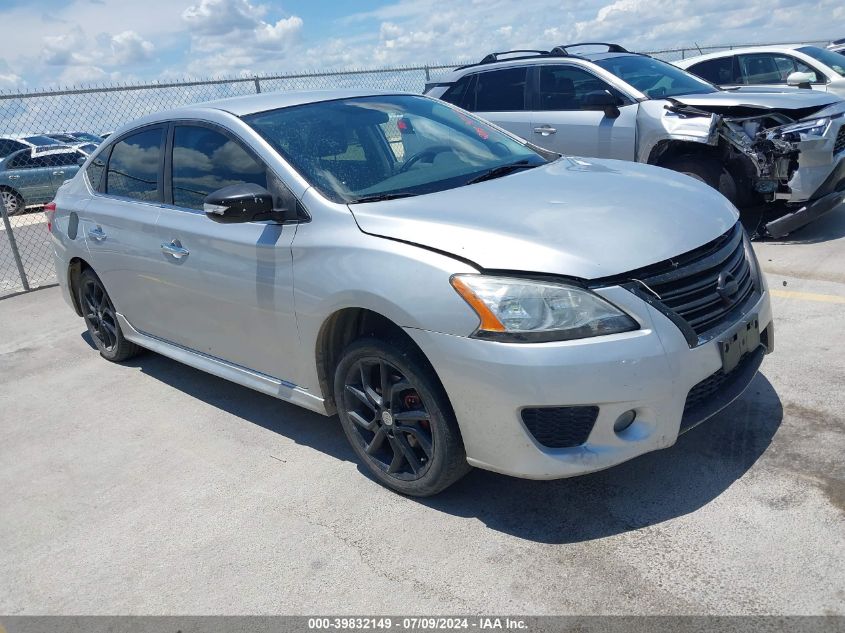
(40, 140)
(835, 61)
(370, 148)
(654, 78)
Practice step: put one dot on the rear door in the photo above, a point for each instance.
(119, 223)
(560, 122)
(498, 95)
(225, 289)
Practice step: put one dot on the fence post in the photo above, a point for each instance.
(427, 74)
(257, 86)
(11, 237)
(683, 53)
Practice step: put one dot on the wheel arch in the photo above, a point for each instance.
(74, 270)
(339, 330)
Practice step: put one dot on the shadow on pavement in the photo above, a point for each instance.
(648, 490)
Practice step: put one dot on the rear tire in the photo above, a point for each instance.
(101, 319)
(710, 171)
(398, 418)
(12, 200)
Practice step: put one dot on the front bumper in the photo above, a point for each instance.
(649, 371)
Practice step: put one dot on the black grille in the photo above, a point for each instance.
(701, 396)
(560, 427)
(840, 141)
(691, 289)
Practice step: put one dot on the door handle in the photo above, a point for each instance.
(545, 130)
(58, 173)
(13, 177)
(175, 249)
(97, 234)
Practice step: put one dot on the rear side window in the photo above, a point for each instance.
(724, 70)
(134, 169)
(205, 160)
(499, 91)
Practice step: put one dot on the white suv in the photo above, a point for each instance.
(753, 146)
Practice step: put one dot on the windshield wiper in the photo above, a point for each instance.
(501, 170)
(378, 197)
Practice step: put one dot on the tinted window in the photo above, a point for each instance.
(134, 166)
(95, 172)
(24, 160)
(499, 91)
(654, 78)
(7, 147)
(459, 94)
(205, 160)
(718, 71)
(565, 87)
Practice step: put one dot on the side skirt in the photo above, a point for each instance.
(275, 387)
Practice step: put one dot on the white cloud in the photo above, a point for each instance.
(130, 48)
(233, 36)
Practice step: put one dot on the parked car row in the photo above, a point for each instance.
(754, 145)
(33, 167)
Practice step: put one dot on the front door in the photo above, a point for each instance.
(225, 290)
(560, 123)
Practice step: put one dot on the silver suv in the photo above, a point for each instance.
(754, 145)
(456, 295)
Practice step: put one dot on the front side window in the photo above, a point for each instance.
(720, 71)
(771, 68)
(134, 169)
(566, 87)
(205, 160)
(654, 78)
(364, 148)
(24, 160)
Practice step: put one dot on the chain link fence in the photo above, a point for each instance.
(45, 134)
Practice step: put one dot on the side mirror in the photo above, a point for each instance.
(602, 100)
(245, 202)
(800, 80)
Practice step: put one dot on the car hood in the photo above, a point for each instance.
(784, 100)
(585, 218)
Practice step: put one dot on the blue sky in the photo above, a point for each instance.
(50, 43)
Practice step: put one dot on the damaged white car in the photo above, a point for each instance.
(755, 146)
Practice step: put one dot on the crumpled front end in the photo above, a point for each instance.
(796, 161)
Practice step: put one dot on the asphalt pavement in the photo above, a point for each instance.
(152, 488)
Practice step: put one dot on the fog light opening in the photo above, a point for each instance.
(624, 421)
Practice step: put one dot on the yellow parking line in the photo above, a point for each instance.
(807, 296)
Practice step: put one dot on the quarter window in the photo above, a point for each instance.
(95, 172)
(135, 166)
(205, 160)
(565, 87)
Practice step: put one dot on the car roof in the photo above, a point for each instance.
(540, 58)
(250, 104)
(740, 51)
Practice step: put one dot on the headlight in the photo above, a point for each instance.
(816, 127)
(524, 311)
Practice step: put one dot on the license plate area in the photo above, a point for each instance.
(742, 339)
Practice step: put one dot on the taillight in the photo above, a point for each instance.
(50, 212)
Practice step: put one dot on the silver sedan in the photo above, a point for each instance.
(459, 297)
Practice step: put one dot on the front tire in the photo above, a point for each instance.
(710, 171)
(101, 319)
(397, 417)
